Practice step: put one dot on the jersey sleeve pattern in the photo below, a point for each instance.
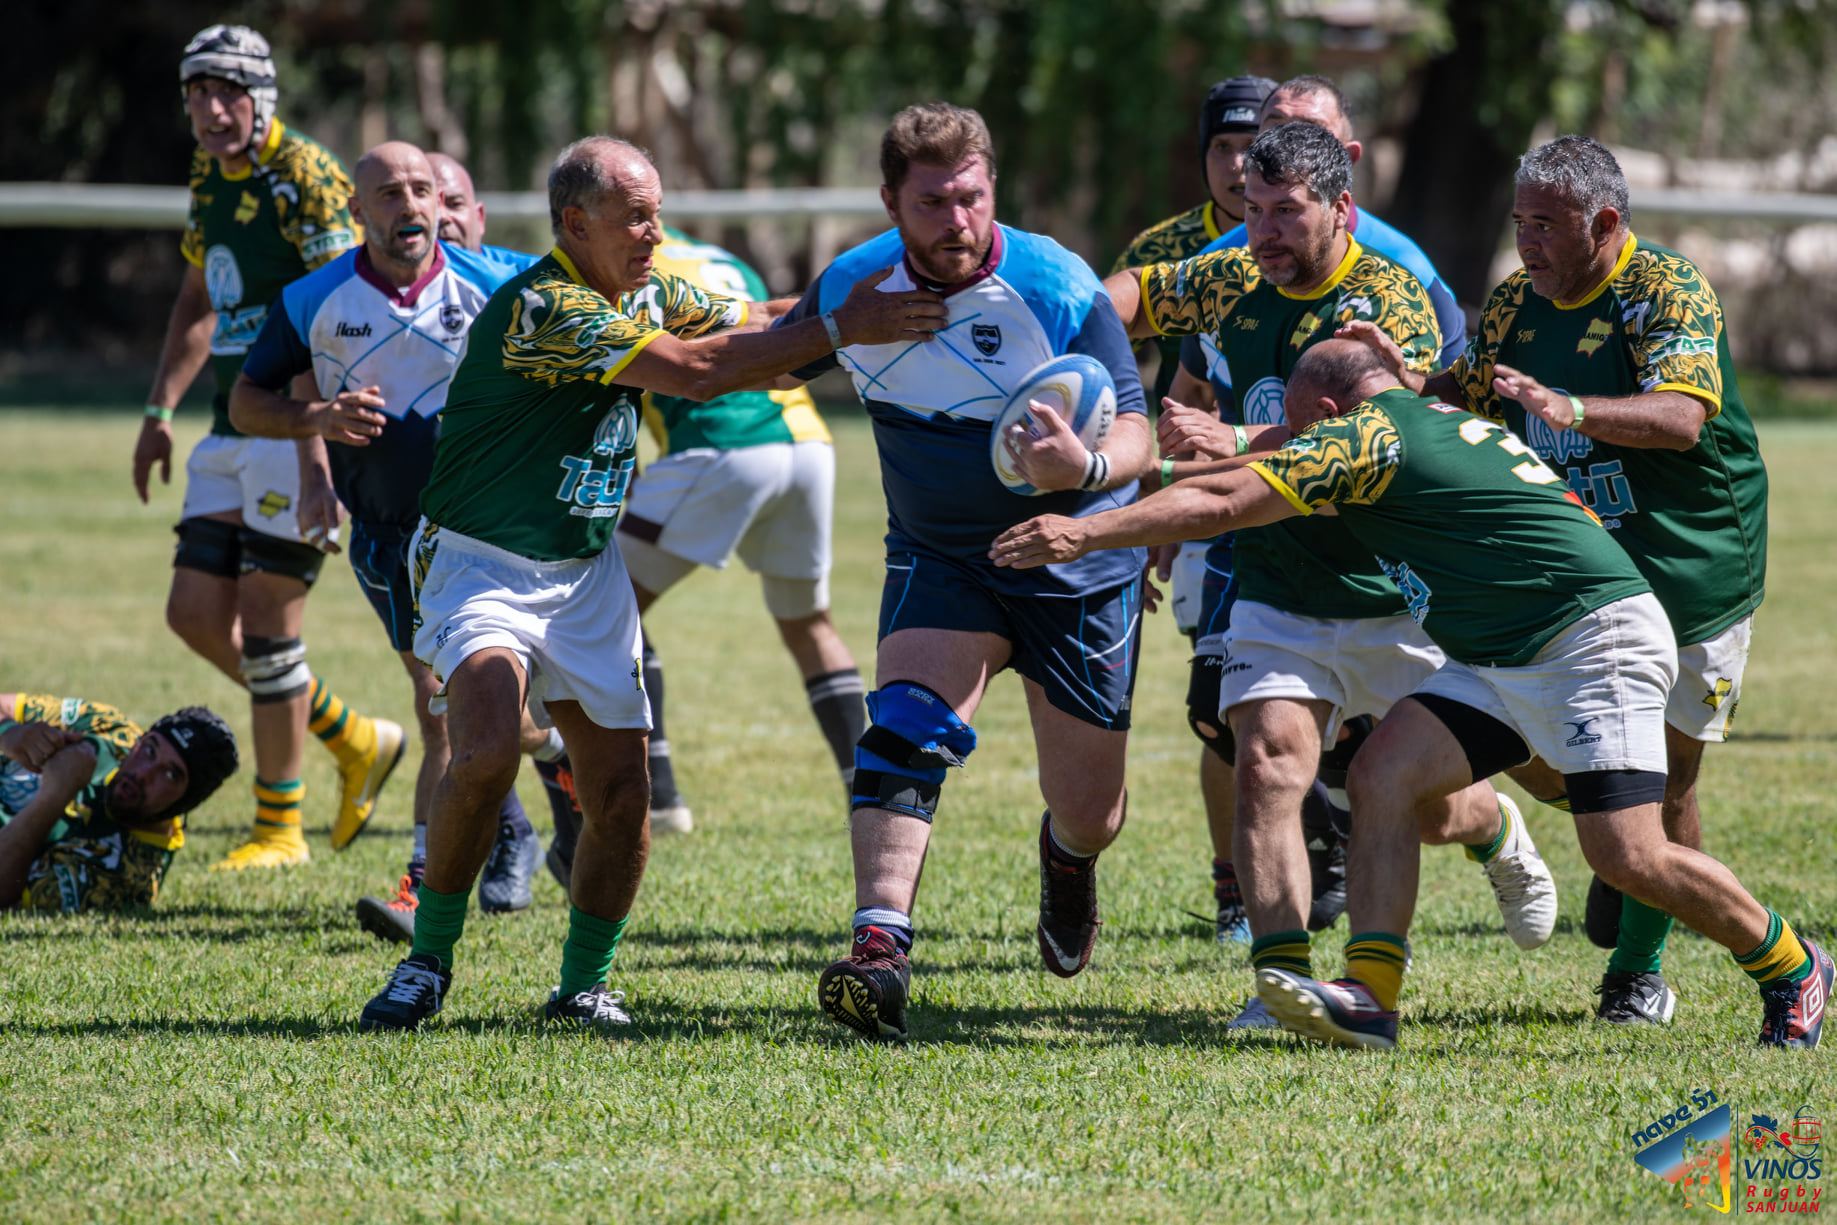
(1166, 241)
(1349, 460)
(114, 872)
(1195, 295)
(1402, 308)
(683, 308)
(191, 244)
(112, 732)
(1473, 371)
(1673, 319)
(560, 330)
(312, 195)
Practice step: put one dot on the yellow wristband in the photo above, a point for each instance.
(164, 414)
(1167, 472)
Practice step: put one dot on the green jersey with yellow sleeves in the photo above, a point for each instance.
(1694, 521)
(1181, 236)
(257, 231)
(1492, 550)
(1308, 567)
(538, 439)
(743, 418)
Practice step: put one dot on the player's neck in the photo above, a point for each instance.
(1600, 269)
(400, 282)
(1336, 255)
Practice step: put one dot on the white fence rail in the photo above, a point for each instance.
(77, 205)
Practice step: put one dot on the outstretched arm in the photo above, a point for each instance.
(1125, 290)
(1190, 510)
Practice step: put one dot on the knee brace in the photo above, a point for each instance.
(210, 546)
(1337, 760)
(272, 555)
(1202, 698)
(913, 737)
(275, 669)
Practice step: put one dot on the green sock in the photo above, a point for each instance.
(1482, 852)
(1642, 938)
(440, 919)
(586, 955)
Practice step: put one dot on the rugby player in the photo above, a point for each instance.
(380, 329)
(516, 591)
(91, 807)
(1555, 644)
(752, 473)
(1227, 124)
(1318, 633)
(267, 206)
(1606, 353)
(948, 620)
(1197, 425)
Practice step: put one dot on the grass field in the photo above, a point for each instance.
(201, 1062)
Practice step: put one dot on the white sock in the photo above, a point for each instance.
(553, 751)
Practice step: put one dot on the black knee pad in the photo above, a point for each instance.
(272, 555)
(1206, 675)
(275, 669)
(1337, 760)
(1613, 790)
(209, 546)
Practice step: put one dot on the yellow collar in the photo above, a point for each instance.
(1210, 217)
(567, 265)
(270, 143)
(1626, 253)
(1353, 252)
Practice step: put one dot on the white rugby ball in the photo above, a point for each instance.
(1078, 388)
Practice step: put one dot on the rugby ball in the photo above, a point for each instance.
(1078, 388)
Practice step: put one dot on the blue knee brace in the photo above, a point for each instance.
(900, 760)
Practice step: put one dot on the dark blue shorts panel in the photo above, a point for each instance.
(379, 559)
(1082, 650)
(1219, 590)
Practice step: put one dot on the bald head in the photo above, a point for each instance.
(605, 200)
(1331, 379)
(394, 201)
(462, 217)
(598, 172)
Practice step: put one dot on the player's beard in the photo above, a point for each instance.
(950, 267)
(126, 802)
(1308, 259)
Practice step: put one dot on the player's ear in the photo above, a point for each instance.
(357, 209)
(890, 203)
(1354, 150)
(1606, 222)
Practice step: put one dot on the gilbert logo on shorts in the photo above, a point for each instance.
(1581, 732)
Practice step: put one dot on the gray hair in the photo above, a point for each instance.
(1582, 171)
(1302, 153)
(579, 177)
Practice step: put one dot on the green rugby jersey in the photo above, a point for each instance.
(1493, 552)
(258, 231)
(88, 862)
(537, 440)
(1181, 236)
(744, 418)
(1694, 522)
(1309, 567)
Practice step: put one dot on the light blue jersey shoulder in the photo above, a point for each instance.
(484, 270)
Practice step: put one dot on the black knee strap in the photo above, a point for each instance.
(1337, 760)
(901, 793)
(1204, 681)
(884, 742)
(272, 555)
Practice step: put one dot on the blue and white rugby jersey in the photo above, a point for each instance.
(353, 329)
(933, 403)
(1200, 355)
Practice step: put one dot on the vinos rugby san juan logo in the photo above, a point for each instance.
(1766, 1166)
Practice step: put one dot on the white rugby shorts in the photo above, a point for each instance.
(572, 624)
(1592, 699)
(771, 504)
(1361, 666)
(258, 477)
(1702, 703)
(1188, 585)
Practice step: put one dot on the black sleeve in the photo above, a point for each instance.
(278, 353)
(806, 308)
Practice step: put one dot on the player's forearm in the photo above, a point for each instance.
(1192, 510)
(187, 344)
(1657, 420)
(1130, 450)
(1442, 385)
(1125, 290)
(23, 838)
(262, 413)
(732, 361)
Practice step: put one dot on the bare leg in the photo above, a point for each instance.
(1278, 754)
(202, 610)
(274, 606)
(435, 751)
(484, 708)
(1218, 787)
(615, 798)
(1081, 775)
(815, 644)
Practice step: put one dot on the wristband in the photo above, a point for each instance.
(1167, 473)
(1243, 438)
(163, 414)
(1096, 471)
(833, 328)
(1575, 402)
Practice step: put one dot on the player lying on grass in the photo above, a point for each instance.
(1556, 647)
(379, 331)
(518, 596)
(91, 807)
(949, 621)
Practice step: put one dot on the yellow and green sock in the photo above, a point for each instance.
(1378, 959)
(1282, 951)
(346, 733)
(1780, 956)
(277, 807)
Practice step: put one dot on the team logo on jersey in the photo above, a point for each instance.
(273, 503)
(1263, 402)
(452, 318)
(1581, 732)
(1552, 445)
(1310, 324)
(222, 277)
(1596, 336)
(987, 337)
(247, 208)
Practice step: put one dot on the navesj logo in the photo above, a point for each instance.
(987, 337)
(1689, 1148)
(1780, 1166)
